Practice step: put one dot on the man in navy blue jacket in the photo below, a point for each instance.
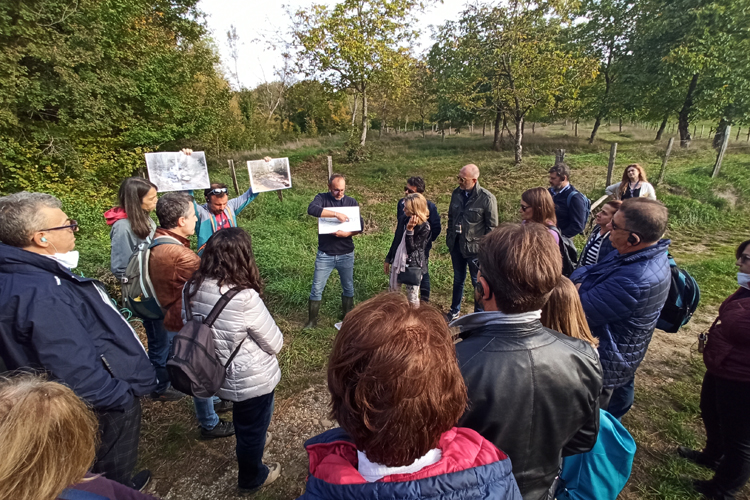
(54, 321)
(416, 185)
(571, 206)
(335, 251)
(623, 295)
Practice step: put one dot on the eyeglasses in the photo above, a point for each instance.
(615, 227)
(460, 179)
(73, 226)
(337, 191)
(406, 188)
(218, 191)
(525, 207)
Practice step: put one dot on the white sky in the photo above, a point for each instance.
(259, 20)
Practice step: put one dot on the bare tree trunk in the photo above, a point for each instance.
(519, 139)
(620, 124)
(533, 127)
(363, 139)
(484, 127)
(597, 124)
(661, 128)
(422, 128)
(685, 113)
(498, 131)
(354, 113)
(721, 129)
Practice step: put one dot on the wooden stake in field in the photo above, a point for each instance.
(702, 127)
(720, 157)
(234, 177)
(330, 168)
(664, 161)
(559, 155)
(738, 134)
(611, 164)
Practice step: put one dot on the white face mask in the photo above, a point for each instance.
(68, 259)
(744, 280)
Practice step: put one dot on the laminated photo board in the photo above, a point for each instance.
(329, 225)
(178, 171)
(269, 175)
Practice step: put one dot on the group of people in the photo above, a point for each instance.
(489, 417)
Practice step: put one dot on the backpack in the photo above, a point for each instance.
(599, 474)
(684, 296)
(137, 290)
(568, 251)
(193, 365)
(586, 203)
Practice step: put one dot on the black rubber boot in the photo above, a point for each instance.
(313, 308)
(347, 303)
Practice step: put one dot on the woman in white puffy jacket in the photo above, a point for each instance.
(634, 184)
(253, 374)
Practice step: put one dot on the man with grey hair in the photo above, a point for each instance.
(66, 326)
(471, 215)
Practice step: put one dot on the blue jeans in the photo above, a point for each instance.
(159, 343)
(204, 407)
(620, 400)
(459, 277)
(324, 265)
(251, 418)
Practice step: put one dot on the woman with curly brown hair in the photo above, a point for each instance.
(397, 392)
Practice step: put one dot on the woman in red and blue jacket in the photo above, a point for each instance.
(397, 392)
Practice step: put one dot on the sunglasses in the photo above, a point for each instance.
(525, 207)
(73, 226)
(218, 191)
(460, 179)
(406, 188)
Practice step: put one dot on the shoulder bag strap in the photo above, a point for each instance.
(220, 305)
(234, 353)
(71, 494)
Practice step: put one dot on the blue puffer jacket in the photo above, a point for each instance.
(65, 325)
(471, 468)
(622, 296)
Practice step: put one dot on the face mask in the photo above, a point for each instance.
(744, 280)
(68, 259)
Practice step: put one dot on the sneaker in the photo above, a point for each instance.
(697, 457)
(274, 470)
(450, 316)
(223, 406)
(223, 429)
(170, 394)
(141, 480)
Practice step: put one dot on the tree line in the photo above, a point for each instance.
(87, 86)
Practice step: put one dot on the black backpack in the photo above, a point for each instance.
(193, 365)
(684, 296)
(568, 251)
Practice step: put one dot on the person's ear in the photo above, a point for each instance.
(40, 240)
(634, 239)
(486, 292)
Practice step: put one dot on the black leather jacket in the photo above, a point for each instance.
(533, 392)
(415, 243)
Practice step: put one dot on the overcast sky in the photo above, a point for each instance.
(259, 20)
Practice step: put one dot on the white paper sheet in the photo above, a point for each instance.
(329, 225)
(269, 175)
(177, 171)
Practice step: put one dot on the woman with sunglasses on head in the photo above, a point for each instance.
(598, 245)
(725, 395)
(633, 185)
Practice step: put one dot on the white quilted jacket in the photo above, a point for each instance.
(255, 370)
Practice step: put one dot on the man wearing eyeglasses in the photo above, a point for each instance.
(219, 212)
(623, 295)
(59, 323)
(471, 215)
(335, 251)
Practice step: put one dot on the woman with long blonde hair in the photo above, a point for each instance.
(406, 261)
(634, 184)
(563, 313)
(48, 438)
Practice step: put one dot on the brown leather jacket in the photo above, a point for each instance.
(170, 267)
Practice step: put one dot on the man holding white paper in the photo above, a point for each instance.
(335, 249)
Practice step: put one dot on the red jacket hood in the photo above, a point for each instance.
(336, 461)
(114, 214)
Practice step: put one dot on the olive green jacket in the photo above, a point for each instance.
(477, 217)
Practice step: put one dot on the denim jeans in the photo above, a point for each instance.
(251, 418)
(204, 407)
(459, 277)
(159, 343)
(618, 401)
(324, 265)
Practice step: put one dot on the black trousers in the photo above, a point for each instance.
(424, 286)
(725, 409)
(251, 419)
(119, 431)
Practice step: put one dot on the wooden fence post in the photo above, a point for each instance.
(234, 176)
(330, 168)
(738, 134)
(611, 164)
(664, 162)
(720, 157)
(559, 155)
(748, 135)
(702, 127)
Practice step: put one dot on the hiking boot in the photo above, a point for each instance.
(223, 429)
(223, 406)
(347, 304)
(313, 308)
(170, 394)
(141, 480)
(274, 470)
(697, 457)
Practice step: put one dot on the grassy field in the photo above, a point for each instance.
(708, 217)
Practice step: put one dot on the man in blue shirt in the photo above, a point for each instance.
(571, 206)
(335, 251)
